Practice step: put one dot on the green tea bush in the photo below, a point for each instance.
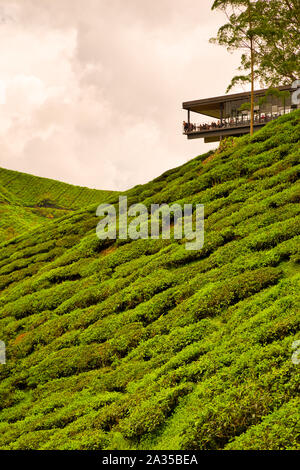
(122, 344)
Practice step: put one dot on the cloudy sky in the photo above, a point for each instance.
(91, 91)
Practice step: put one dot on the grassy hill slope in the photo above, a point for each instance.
(26, 201)
(145, 345)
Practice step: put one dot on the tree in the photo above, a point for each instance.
(269, 33)
(240, 33)
(278, 47)
(275, 32)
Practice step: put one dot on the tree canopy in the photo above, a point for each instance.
(269, 38)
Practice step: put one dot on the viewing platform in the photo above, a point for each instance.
(229, 117)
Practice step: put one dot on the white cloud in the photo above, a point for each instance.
(93, 89)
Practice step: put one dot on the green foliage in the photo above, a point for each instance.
(268, 34)
(31, 201)
(143, 344)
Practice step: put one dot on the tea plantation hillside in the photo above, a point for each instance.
(27, 201)
(146, 345)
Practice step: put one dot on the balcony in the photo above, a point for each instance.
(237, 126)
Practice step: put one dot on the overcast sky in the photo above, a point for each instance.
(91, 91)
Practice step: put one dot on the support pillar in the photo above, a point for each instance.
(221, 112)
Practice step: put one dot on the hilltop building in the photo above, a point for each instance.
(229, 119)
